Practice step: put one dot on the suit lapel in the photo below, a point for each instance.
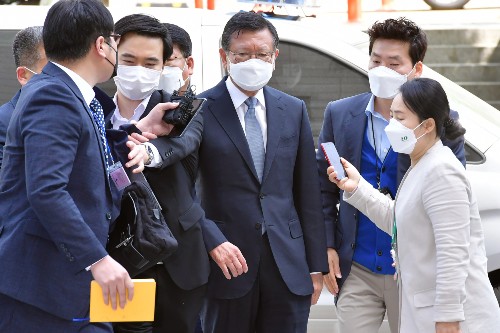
(223, 111)
(355, 129)
(275, 123)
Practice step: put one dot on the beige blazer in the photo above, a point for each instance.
(441, 255)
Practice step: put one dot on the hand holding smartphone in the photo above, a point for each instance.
(333, 158)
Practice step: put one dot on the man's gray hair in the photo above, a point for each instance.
(25, 47)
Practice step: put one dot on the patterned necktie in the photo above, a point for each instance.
(98, 115)
(254, 137)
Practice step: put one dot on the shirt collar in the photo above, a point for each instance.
(84, 87)
(139, 110)
(238, 97)
(370, 109)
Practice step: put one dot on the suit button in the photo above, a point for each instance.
(379, 268)
(353, 245)
(71, 258)
(257, 226)
(108, 216)
(383, 169)
(379, 253)
(261, 196)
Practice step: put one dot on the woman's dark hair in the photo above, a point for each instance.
(427, 99)
(403, 30)
(147, 26)
(247, 21)
(71, 26)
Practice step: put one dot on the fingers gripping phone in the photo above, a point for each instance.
(333, 158)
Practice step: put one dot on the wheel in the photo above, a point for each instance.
(446, 4)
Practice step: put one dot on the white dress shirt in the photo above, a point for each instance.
(239, 98)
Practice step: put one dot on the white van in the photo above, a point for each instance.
(318, 62)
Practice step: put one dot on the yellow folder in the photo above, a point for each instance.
(141, 308)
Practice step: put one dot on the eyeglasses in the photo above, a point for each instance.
(116, 37)
(244, 56)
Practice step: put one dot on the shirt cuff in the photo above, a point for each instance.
(156, 162)
(88, 267)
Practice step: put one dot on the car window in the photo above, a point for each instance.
(473, 155)
(315, 78)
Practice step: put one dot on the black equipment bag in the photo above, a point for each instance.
(140, 237)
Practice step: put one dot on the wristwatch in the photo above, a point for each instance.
(149, 151)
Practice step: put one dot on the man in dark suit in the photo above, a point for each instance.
(56, 202)
(29, 56)
(260, 192)
(361, 272)
(181, 279)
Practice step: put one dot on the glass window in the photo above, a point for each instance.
(315, 78)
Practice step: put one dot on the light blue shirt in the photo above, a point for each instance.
(381, 144)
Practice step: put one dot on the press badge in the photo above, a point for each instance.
(119, 176)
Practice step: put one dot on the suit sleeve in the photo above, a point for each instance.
(447, 203)
(330, 193)
(457, 146)
(175, 149)
(51, 131)
(307, 199)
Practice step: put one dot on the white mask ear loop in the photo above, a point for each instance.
(418, 127)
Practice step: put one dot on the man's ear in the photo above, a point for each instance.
(190, 65)
(223, 58)
(23, 75)
(419, 68)
(99, 46)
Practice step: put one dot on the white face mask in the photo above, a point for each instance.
(171, 79)
(136, 82)
(251, 75)
(385, 82)
(402, 138)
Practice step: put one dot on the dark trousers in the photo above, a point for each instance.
(176, 309)
(269, 307)
(18, 317)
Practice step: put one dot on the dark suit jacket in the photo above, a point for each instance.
(55, 198)
(344, 124)
(5, 114)
(173, 185)
(237, 204)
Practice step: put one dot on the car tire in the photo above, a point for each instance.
(446, 4)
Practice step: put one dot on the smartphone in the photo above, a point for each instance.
(333, 158)
(197, 105)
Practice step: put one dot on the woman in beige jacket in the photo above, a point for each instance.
(438, 242)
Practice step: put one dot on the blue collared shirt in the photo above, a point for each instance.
(381, 144)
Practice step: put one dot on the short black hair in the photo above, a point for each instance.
(247, 21)
(181, 38)
(145, 25)
(26, 47)
(72, 26)
(427, 99)
(403, 30)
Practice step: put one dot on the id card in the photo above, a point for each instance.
(119, 176)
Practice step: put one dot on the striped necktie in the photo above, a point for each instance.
(254, 137)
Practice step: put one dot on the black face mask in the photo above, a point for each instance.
(115, 65)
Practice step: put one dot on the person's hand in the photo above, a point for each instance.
(153, 122)
(113, 279)
(230, 260)
(452, 327)
(330, 279)
(141, 138)
(349, 183)
(137, 157)
(317, 280)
